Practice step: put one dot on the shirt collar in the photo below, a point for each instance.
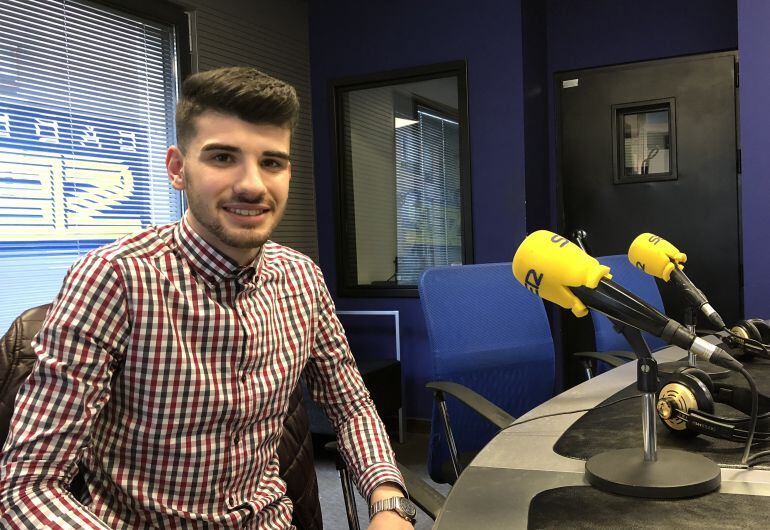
(207, 260)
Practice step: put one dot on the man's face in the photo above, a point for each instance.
(236, 175)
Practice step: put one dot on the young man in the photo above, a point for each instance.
(166, 362)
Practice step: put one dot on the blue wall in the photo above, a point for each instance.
(351, 37)
(754, 51)
(512, 51)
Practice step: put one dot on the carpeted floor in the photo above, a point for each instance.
(412, 453)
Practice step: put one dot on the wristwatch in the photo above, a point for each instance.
(401, 505)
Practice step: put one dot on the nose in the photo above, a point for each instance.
(250, 183)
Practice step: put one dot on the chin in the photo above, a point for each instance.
(252, 240)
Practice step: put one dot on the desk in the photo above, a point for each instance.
(494, 492)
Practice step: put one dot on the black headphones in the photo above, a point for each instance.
(686, 406)
(753, 329)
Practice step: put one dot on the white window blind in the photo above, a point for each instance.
(429, 226)
(87, 100)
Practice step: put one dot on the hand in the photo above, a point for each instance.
(389, 520)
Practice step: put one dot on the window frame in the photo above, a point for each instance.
(164, 12)
(338, 88)
(619, 112)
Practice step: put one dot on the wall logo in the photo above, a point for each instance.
(64, 177)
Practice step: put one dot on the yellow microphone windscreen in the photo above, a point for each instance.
(654, 255)
(547, 264)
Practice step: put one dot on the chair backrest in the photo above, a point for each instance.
(641, 284)
(489, 333)
(295, 451)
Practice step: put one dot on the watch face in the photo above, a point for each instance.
(407, 507)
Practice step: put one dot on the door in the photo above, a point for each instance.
(652, 147)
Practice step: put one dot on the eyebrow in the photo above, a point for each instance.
(232, 149)
(220, 147)
(277, 154)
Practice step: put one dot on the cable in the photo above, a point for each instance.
(754, 415)
(514, 424)
(757, 457)
(763, 352)
(759, 437)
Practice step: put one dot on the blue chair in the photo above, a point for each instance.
(608, 340)
(488, 336)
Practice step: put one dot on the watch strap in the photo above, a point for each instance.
(401, 505)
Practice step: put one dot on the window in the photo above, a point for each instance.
(403, 178)
(87, 99)
(645, 139)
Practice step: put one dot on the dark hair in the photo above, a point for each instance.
(242, 91)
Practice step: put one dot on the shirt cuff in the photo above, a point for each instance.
(379, 474)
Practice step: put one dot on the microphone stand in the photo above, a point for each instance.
(715, 372)
(659, 473)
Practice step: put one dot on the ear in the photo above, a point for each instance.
(175, 167)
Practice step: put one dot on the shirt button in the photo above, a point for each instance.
(236, 439)
(244, 378)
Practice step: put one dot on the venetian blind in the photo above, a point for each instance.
(429, 229)
(87, 101)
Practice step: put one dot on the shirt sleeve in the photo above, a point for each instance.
(336, 385)
(85, 329)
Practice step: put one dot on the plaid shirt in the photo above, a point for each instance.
(166, 369)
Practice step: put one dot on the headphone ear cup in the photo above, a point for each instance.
(684, 392)
(763, 330)
(701, 376)
(751, 329)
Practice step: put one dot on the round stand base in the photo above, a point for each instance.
(715, 372)
(676, 474)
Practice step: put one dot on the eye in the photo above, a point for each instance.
(274, 163)
(222, 157)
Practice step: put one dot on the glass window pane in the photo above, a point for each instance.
(401, 181)
(646, 143)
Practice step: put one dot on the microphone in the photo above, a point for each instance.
(656, 256)
(556, 269)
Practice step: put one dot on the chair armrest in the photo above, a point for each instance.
(628, 355)
(611, 358)
(424, 496)
(475, 401)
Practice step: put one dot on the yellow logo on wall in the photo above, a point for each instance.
(52, 196)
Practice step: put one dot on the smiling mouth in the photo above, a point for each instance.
(246, 213)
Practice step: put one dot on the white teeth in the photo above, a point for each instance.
(245, 212)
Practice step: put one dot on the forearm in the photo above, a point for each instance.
(365, 445)
(336, 384)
